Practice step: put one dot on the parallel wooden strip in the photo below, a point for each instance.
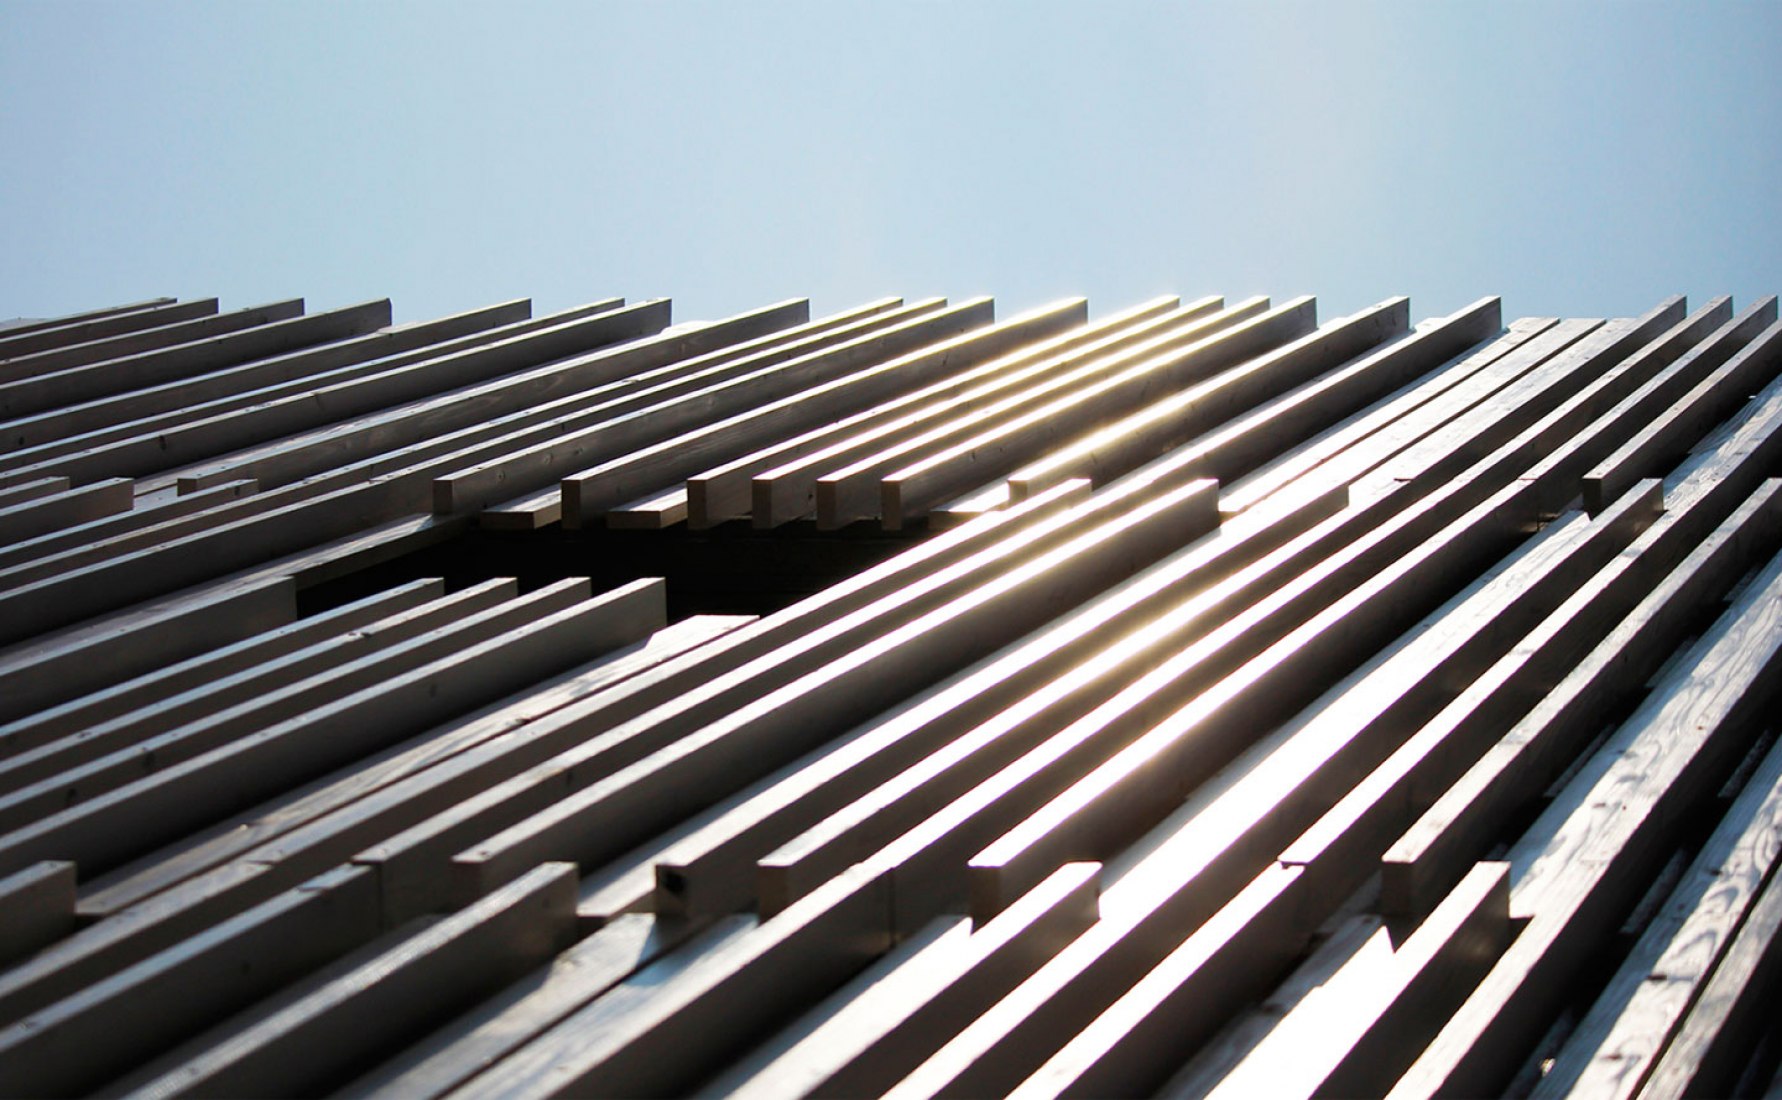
(169, 802)
(592, 491)
(86, 543)
(1687, 419)
(36, 908)
(908, 492)
(711, 869)
(777, 483)
(862, 1041)
(1284, 779)
(482, 1037)
(662, 1031)
(1469, 813)
(320, 1033)
(1362, 827)
(241, 406)
(26, 337)
(42, 775)
(42, 408)
(1733, 1011)
(1615, 1047)
(1167, 423)
(32, 490)
(850, 491)
(90, 1035)
(54, 669)
(315, 824)
(1577, 866)
(206, 668)
(601, 820)
(16, 367)
(699, 399)
(49, 514)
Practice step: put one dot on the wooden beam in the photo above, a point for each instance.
(36, 908)
(19, 367)
(45, 406)
(25, 337)
(49, 514)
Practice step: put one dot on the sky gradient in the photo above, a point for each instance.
(1575, 159)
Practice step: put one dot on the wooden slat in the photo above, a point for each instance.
(205, 668)
(698, 399)
(42, 408)
(849, 491)
(908, 492)
(240, 406)
(777, 483)
(324, 821)
(1601, 826)
(99, 349)
(36, 908)
(318, 1034)
(590, 492)
(1687, 419)
(900, 762)
(49, 514)
(1034, 584)
(86, 543)
(90, 1035)
(54, 669)
(25, 337)
(1166, 423)
(1615, 1047)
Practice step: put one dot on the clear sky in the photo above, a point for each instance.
(1575, 159)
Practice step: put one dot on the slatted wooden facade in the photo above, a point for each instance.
(1196, 699)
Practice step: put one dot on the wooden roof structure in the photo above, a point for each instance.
(1199, 699)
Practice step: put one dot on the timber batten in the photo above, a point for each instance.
(1200, 698)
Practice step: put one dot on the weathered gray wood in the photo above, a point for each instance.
(1294, 773)
(54, 669)
(1615, 1047)
(661, 1034)
(603, 819)
(1401, 411)
(92, 1034)
(481, 1037)
(26, 403)
(25, 337)
(36, 908)
(1379, 808)
(33, 490)
(776, 483)
(1163, 424)
(85, 543)
(560, 364)
(320, 1033)
(335, 816)
(1687, 419)
(1734, 1011)
(266, 398)
(65, 509)
(16, 367)
(713, 870)
(698, 398)
(909, 491)
(653, 467)
(472, 802)
(42, 774)
(206, 668)
(161, 806)
(851, 491)
(1605, 824)
(862, 1041)
(1469, 812)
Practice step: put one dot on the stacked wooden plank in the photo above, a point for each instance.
(1210, 700)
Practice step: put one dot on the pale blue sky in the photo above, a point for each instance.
(1576, 159)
